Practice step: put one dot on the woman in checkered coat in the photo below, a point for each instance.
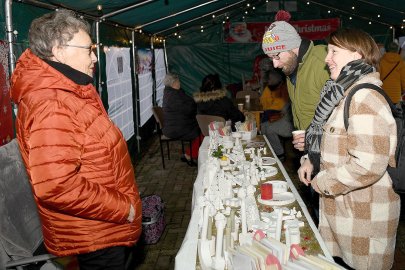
(359, 210)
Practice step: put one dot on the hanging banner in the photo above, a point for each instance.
(6, 117)
(119, 87)
(252, 32)
(145, 82)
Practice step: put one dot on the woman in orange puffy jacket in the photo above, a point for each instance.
(76, 158)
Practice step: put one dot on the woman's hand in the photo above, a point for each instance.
(305, 172)
(299, 141)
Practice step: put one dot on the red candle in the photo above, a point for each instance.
(266, 190)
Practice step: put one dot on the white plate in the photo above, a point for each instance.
(278, 199)
(279, 186)
(269, 171)
(255, 144)
(268, 161)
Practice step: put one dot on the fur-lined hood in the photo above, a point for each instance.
(209, 96)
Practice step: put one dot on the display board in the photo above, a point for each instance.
(144, 71)
(160, 73)
(119, 88)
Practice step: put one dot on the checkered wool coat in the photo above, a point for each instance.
(359, 210)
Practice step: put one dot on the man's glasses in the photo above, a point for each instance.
(91, 48)
(274, 56)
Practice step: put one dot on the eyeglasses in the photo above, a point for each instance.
(274, 56)
(91, 47)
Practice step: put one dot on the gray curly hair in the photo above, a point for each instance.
(56, 28)
(170, 79)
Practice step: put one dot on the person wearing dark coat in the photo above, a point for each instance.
(179, 111)
(212, 100)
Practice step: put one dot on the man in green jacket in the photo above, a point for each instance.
(304, 65)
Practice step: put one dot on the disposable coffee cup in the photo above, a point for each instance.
(247, 98)
(266, 191)
(297, 132)
(240, 106)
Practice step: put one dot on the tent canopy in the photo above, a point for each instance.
(161, 16)
(200, 23)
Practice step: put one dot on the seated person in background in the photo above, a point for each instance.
(179, 111)
(212, 100)
(277, 118)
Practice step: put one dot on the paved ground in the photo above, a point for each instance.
(175, 186)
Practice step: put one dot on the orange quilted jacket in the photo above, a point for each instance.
(77, 160)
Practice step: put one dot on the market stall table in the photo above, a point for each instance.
(311, 240)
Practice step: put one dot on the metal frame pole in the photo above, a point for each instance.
(100, 83)
(135, 92)
(175, 14)
(9, 33)
(165, 53)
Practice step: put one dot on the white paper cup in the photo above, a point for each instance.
(240, 106)
(247, 98)
(297, 132)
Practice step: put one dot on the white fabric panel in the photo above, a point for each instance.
(119, 87)
(145, 97)
(160, 73)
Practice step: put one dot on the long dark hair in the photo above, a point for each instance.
(210, 83)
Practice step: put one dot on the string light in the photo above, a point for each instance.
(308, 3)
(99, 7)
(353, 7)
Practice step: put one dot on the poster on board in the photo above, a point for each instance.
(144, 70)
(119, 88)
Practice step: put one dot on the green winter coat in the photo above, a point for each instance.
(311, 77)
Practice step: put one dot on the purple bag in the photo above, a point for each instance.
(153, 218)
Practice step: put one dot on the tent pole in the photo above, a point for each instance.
(125, 9)
(9, 32)
(135, 98)
(154, 95)
(205, 15)
(100, 83)
(175, 14)
(165, 52)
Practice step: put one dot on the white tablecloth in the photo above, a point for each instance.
(187, 255)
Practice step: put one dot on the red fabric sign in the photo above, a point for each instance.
(6, 118)
(252, 32)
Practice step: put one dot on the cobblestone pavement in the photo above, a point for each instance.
(175, 186)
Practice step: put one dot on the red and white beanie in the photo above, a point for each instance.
(279, 37)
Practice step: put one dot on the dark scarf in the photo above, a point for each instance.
(71, 73)
(331, 94)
